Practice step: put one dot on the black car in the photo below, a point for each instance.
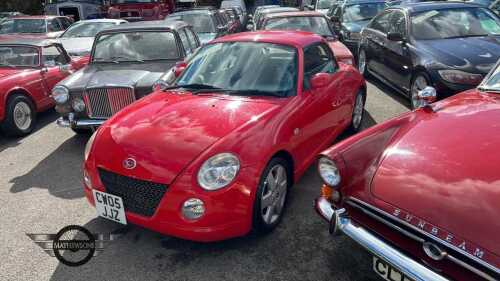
(450, 46)
(125, 62)
(207, 22)
(349, 17)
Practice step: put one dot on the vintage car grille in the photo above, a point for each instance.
(139, 196)
(104, 102)
(482, 269)
(130, 14)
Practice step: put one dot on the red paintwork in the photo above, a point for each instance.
(437, 166)
(171, 135)
(147, 11)
(33, 83)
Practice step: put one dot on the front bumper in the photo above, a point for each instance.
(76, 124)
(340, 223)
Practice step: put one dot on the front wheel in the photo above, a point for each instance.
(357, 113)
(271, 195)
(20, 116)
(362, 62)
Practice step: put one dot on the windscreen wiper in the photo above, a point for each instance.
(199, 88)
(255, 93)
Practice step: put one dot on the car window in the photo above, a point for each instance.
(52, 56)
(201, 23)
(398, 23)
(18, 56)
(318, 58)
(381, 22)
(185, 41)
(362, 12)
(192, 38)
(54, 26)
(315, 24)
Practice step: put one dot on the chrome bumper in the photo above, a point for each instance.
(340, 223)
(61, 122)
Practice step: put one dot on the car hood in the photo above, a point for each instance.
(355, 26)
(164, 132)
(449, 180)
(77, 45)
(471, 54)
(206, 37)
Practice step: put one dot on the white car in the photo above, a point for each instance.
(79, 37)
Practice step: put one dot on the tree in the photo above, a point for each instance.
(30, 7)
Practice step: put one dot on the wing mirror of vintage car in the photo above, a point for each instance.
(427, 96)
(320, 80)
(179, 68)
(395, 36)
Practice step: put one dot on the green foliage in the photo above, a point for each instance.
(30, 7)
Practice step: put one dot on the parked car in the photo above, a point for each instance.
(311, 22)
(125, 62)
(425, 204)
(214, 156)
(206, 22)
(29, 69)
(350, 17)
(231, 15)
(257, 21)
(447, 45)
(76, 9)
(79, 37)
(239, 5)
(322, 6)
(140, 10)
(42, 27)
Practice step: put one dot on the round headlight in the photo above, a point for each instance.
(329, 171)
(89, 144)
(218, 171)
(193, 208)
(60, 94)
(78, 105)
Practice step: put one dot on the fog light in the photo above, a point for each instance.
(193, 208)
(78, 105)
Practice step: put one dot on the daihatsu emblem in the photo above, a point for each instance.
(129, 163)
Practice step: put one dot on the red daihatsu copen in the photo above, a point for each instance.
(214, 156)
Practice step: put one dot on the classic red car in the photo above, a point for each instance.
(42, 27)
(213, 156)
(29, 69)
(421, 192)
(140, 10)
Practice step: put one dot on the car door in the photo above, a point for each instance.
(375, 38)
(55, 67)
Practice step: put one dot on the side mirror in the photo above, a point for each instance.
(395, 36)
(427, 96)
(179, 68)
(320, 80)
(250, 26)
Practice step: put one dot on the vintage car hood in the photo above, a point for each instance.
(472, 54)
(165, 132)
(443, 169)
(77, 46)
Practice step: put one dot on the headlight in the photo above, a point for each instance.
(460, 77)
(60, 94)
(78, 105)
(329, 171)
(89, 144)
(218, 171)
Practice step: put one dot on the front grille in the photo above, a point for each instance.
(130, 14)
(139, 196)
(104, 102)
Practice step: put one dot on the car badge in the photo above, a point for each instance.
(129, 163)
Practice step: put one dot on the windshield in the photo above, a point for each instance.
(133, 1)
(202, 23)
(244, 66)
(135, 46)
(492, 83)
(317, 25)
(454, 23)
(23, 26)
(362, 12)
(324, 4)
(86, 29)
(11, 56)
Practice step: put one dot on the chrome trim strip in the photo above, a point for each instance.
(378, 247)
(438, 240)
(61, 122)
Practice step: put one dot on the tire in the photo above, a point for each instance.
(362, 67)
(418, 82)
(20, 116)
(270, 203)
(358, 112)
(81, 131)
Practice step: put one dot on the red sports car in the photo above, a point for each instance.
(29, 69)
(214, 156)
(421, 192)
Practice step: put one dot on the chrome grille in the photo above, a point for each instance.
(104, 102)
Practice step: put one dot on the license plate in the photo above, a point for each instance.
(109, 207)
(387, 271)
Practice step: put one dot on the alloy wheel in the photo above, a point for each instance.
(22, 115)
(357, 115)
(274, 194)
(362, 61)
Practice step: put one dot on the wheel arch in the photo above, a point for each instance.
(23, 92)
(287, 156)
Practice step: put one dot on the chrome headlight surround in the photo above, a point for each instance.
(329, 171)
(60, 94)
(89, 144)
(218, 171)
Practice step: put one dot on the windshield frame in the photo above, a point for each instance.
(38, 51)
(268, 19)
(180, 51)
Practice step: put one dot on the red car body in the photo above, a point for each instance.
(140, 11)
(170, 135)
(426, 180)
(36, 82)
